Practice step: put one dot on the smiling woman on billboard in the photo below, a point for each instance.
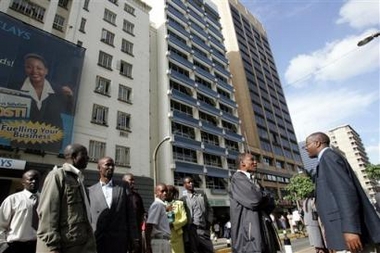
(39, 82)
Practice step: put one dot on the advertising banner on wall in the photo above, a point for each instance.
(39, 81)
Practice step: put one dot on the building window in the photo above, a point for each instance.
(229, 126)
(82, 25)
(208, 118)
(123, 121)
(216, 183)
(63, 3)
(184, 154)
(129, 9)
(232, 145)
(179, 176)
(125, 93)
(127, 47)
(210, 138)
(128, 27)
(105, 60)
(99, 114)
(102, 85)
(182, 130)
(59, 22)
(29, 9)
(96, 150)
(125, 69)
(231, 164)
(212, 160)
(226, 108)
(107, 37)
(109, 16)
(85, 5)
(122, 156)
(176, 106)
(113, 1)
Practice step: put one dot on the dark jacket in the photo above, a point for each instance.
(115, 228)
(342, 203)
(64, 224)
(251, 226)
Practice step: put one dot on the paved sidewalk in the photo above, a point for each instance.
(220, 246)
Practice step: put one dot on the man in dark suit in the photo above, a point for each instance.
(113, 218)
(349, 220)
(250, 206)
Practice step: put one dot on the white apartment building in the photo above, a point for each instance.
(112, 108)
(346, 139)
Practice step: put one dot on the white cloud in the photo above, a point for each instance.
(337, 61)
(321, 110)
(360, 14)
(373, 153)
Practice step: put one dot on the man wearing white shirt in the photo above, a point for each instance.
(157, 225)
(18, 220)
(113, 218)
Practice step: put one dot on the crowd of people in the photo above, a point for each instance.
(109, 216)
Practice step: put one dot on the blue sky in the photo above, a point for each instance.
(328, 80)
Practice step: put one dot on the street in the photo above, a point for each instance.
(299, 245)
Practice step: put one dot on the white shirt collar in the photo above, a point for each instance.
(28, 87)
(246, 173)
(159, 200)
(321, 153)
(109, 184)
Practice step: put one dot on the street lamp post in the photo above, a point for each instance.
(155, 158)
(368, 39)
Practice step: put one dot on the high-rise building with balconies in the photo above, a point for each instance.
(193, 97)
(266, 122)
(346, 139)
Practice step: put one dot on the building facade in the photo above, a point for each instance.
(193, 98)
(266, 121)
(112, 105)
(346, 139)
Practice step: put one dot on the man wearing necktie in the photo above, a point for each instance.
(113, 217)
(250, 206)
(18, 221)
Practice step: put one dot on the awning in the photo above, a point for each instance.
(216, 172)
(190, 168)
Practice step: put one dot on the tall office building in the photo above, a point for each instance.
(193, 98)
(266, 122)
(112, 106)
(346, 139)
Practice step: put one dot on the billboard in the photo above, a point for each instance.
(39, 83)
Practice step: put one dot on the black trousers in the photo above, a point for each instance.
(21, 247)
(198, 241)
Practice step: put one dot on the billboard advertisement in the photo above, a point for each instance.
(39, 82)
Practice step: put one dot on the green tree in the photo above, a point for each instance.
(299, 187)
(373, 171)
